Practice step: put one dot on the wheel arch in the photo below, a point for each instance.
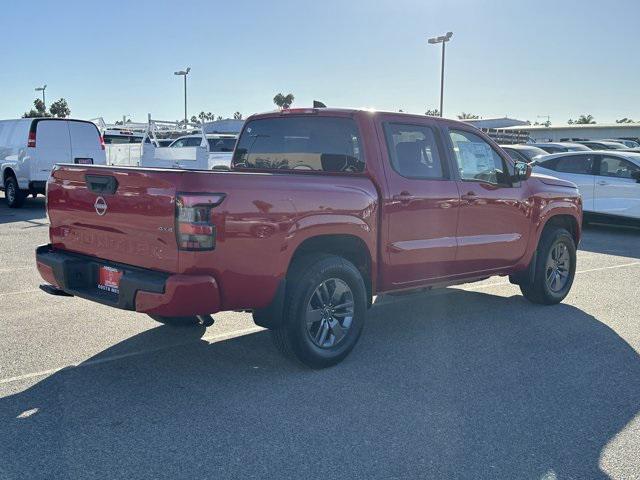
(348, 246)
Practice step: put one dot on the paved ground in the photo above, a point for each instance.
(469, 382)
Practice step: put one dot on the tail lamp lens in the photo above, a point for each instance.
(195, 229)
(32, 139)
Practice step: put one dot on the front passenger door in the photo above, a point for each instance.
(493, 225)
(616, 192)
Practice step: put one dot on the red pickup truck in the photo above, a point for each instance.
(323, 209)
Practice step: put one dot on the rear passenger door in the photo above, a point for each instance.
(420, 206)
(85, 143)
(579, 169)
(53, 145)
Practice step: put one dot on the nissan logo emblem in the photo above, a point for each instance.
(100, 206)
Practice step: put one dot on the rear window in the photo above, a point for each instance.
(300, 143)
(221, 144)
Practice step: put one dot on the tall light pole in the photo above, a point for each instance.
(42, 89)
(184, 73)
(443, 40)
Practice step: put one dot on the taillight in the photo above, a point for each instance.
(32, 139)
(194, 223)
(102, 142)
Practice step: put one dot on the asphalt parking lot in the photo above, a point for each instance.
(464, 382)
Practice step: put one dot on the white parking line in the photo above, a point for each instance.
(211, 339)
(223, 336)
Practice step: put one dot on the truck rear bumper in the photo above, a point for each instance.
(140, 290)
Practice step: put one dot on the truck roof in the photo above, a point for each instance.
(347, 112)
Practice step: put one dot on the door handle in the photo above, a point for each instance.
(602, 182)
(469, 196)
(403, 197)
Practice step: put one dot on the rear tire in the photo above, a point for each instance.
(12, 193)
(554, 270)
(191, 321)
(324, 311)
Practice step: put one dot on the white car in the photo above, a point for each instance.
(609, 181)
(220, 148)
(30, 147)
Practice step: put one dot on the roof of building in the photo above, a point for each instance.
(575, 126)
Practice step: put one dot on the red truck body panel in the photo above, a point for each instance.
(415, 232)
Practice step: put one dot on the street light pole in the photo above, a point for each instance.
(184, 73)
(435, 40)
(42, 89)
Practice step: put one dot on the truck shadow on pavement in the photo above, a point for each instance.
(32, 211)
(457, 384)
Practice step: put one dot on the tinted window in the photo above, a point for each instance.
(413, 151)
(617, 167)
(476, 159)
(300, 143)
(187, 142)
(221, 144)
(551, 149)
(119, 139)
(581, 164)
(516, 155)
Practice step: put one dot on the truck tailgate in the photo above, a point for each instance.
(116, 214)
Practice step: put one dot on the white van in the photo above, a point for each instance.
(30, 147)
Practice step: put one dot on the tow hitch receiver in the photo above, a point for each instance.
(51, 290)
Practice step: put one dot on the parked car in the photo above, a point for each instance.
(602, 145)
(220, 148)
(217, 142)
(608, 182)
(165, 142)
(30, 147)
(625, 142)
(523, 153)
(323, 209)
(557, 147)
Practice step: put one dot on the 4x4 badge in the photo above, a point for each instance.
(100, 205)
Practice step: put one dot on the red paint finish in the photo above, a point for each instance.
(184, 295)
(416, 232)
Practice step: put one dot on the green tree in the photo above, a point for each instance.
(467, 116)
(283, 101)
(60, 109)
(625, 120)
(433, 112)
(38, 111)
(237, 116)
(195, 120)
(585, 120)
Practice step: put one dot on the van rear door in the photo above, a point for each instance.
(86, 146)
(53, 145)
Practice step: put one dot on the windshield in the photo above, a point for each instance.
(221, 144)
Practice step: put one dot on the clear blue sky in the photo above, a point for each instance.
(517, 58)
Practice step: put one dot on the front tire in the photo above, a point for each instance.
(324, 311)
(554, 270)
(14, 196)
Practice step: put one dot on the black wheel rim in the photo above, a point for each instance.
(558, 267)
(329, 313)
(11, 192)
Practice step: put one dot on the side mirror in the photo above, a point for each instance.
(522, 171)
(636, 175)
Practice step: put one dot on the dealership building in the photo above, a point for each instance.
(564, 133)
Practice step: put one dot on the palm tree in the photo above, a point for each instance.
(625, 120)
(585, 120)
(283, 101)
(467, 116)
